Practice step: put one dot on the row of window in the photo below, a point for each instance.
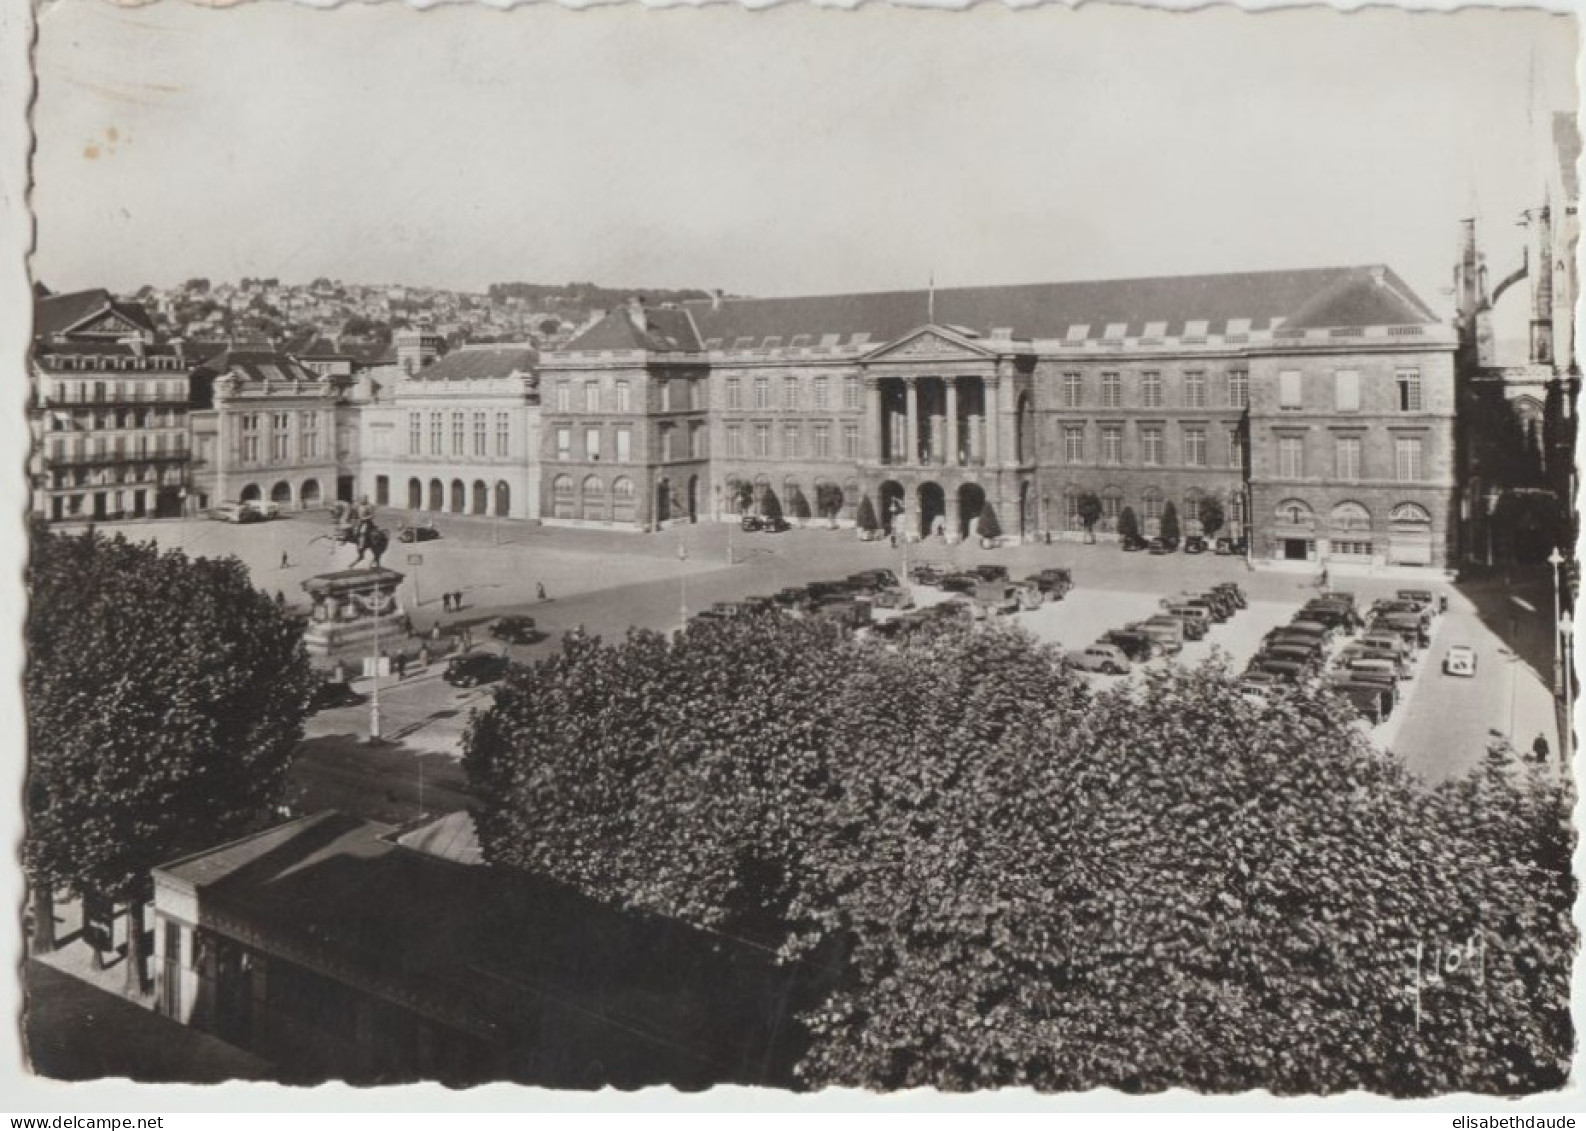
(820, 394)
(120, 418)
(1346, 390)
(670, 440)
(464, 426)
(677, 394)
(792, 447)
(1408, 458)
(118, 447)
(1152, 446)
(1236, 389)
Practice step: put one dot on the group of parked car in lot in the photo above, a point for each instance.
(1194, 544)
(1189, 616)
(974, 593)
(1371, 668)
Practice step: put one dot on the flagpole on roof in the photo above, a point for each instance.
(930, 300)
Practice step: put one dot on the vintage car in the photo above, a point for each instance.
(1107, 658)
(474, 668)
(425, 533)
(1461, 661)
(515, 630)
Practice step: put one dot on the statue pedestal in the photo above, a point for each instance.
(354, 610)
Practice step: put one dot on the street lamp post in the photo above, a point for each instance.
(1556, 559)
(1567, 723)
(374, 692)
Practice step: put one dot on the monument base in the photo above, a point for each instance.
(354, 610)
(325, 639)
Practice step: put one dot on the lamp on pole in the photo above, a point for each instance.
(374, 691)
(682, 580)
(1567, 725)
(1556, 559)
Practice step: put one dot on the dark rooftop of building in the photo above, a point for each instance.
(258, 365)
(58, 314)
(481, 363)
(1179, 306)
(515, 959)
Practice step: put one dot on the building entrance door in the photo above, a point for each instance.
(1295, 549)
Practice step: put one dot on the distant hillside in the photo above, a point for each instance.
(585, 296)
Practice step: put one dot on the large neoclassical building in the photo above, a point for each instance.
(1317, 405)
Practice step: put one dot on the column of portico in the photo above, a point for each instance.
(952, 422)
(912, 399)
(993, 426)
(872, 442)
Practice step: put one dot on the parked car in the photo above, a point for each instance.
(873, 579)
(821, 590)
(1256, 679)
(1384, 639)
(1195, 621)
(754, 524)
(264, 508)
(1198, 610)
(1320, 629)
(1372, 665)
(1107, 658)
(1233, 590)
(1411, 627)
(425, 533)
(1132, 543)
(1137, 646)
(1294, 653)
(959, 583)
(986, 571)
(1287, 670)
(330, 694)
(722, 610)
(925, 574)
(1422, 597)
(1167, 634)
(1293, 639)
(1398, 664)
(1374, 702)
(1337, 617)
(1402, 608)
(1161, 546)
(1460, 660)
(793, 597)
(853, 614)
(1055, 582)
(758, 606)
(1194, 544)
(474, 668)
(515, 630)
(235, 512)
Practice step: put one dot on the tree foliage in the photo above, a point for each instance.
(1170, 883)
(1170, 526)
(1128, 524)
(770, 505)
(989, 526)
(866, 518)
(1211, 515)
(1090, 512)
(828, 500)
(164, 699)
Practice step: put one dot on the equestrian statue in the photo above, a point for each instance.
(355, 527)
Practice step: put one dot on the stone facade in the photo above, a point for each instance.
(1327, 391)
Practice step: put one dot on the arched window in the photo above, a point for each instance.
(481, 497)
(1349, 531)
(1412, 516)
(1192, 510)
(503, 499)
(1151, 504)
(1111, 508)
(437, 495)
(564, 502)
(623, 499)
(593, 497)
(415, 495)
(1297, 513)
(281, 493)
(309, 493)
(851, 499)
(459, 497)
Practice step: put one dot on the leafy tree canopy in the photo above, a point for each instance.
(164, 698)
(866, 519)
(989, 526)
(1090, 509)
(1170, 525)
(1128, 523)
(1211, 516)
(1170, 883)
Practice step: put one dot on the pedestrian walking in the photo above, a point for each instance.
(1442, 602)
(280, 600)
(539, 587)
(446, 602)
(1539, 749)
(400, 663)
(457, 601)
(435, 632)
(424, 657)
(284, 562)
(1324, 578)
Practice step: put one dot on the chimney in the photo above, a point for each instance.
(636, 314)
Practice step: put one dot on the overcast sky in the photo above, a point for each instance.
(787, 151)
